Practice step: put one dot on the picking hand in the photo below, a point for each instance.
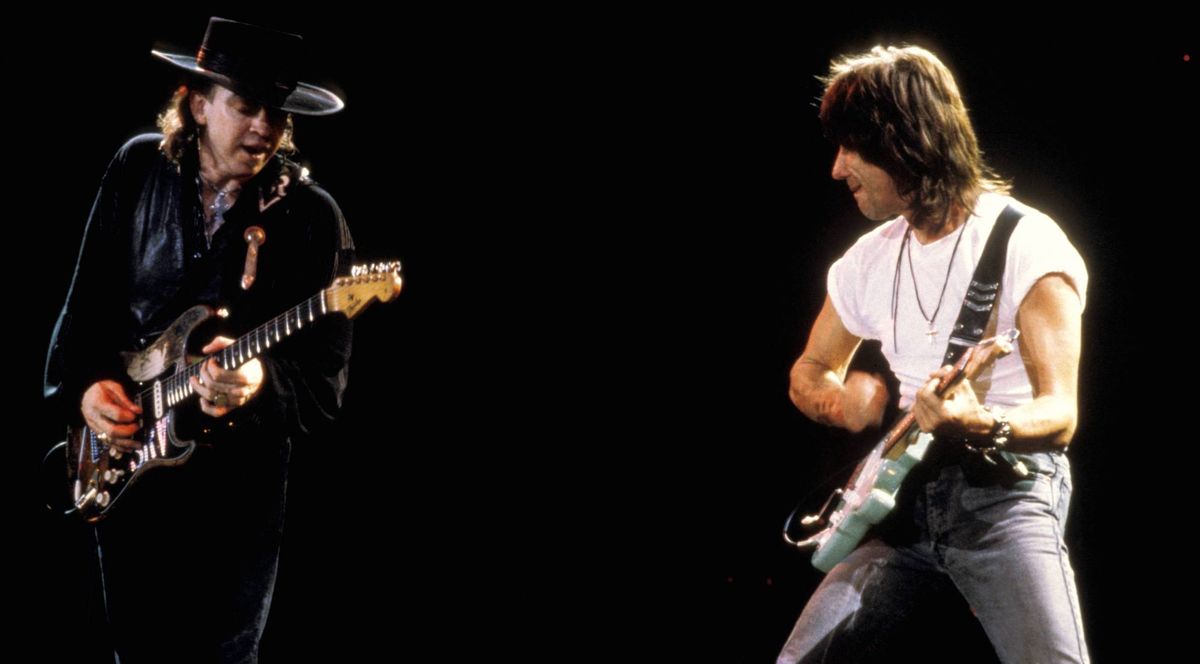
(109, 412)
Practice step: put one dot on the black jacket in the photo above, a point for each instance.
(145, 260)
(189, 562)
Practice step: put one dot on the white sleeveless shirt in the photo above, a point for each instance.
(860, 287)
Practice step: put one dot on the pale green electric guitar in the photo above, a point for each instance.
(871, 492)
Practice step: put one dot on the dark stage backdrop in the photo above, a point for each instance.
(571, 435)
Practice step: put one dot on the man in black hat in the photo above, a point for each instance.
(210, 211)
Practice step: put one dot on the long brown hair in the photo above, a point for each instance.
(180, 130)
(900, 109)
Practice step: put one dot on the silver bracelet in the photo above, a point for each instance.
(1001, 432)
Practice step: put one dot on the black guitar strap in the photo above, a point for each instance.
(984, 292)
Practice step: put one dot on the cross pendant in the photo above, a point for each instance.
(932, 334)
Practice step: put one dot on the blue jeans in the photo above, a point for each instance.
(999, 547)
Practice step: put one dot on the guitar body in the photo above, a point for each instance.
(99, 474)
(869, 496)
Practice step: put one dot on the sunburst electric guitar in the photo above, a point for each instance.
(871, 492)
(98, 475)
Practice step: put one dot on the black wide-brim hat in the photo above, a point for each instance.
(257, 63)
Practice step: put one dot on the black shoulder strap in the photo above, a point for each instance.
(984, 291)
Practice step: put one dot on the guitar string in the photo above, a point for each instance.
(174, 381)
(179, 380)
(296, 313)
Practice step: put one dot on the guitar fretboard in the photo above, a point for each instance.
(177, 388)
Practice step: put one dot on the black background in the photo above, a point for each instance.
(571, 434)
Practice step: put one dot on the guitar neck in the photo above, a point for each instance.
(255, 342)
(102, 473)
(906, 423)
(346, 295)
(973, 360)
(177, 388)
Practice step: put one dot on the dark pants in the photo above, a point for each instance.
(189, 556)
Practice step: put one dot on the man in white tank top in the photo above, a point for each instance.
(908, 154)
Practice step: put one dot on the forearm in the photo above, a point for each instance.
(1047, 420)
(89, 334)
(1049, 320)
(817, 390)
(820, 385)
(303, 389)
(305, 379)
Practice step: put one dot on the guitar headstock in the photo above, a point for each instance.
(377, 281)
(980, 356)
